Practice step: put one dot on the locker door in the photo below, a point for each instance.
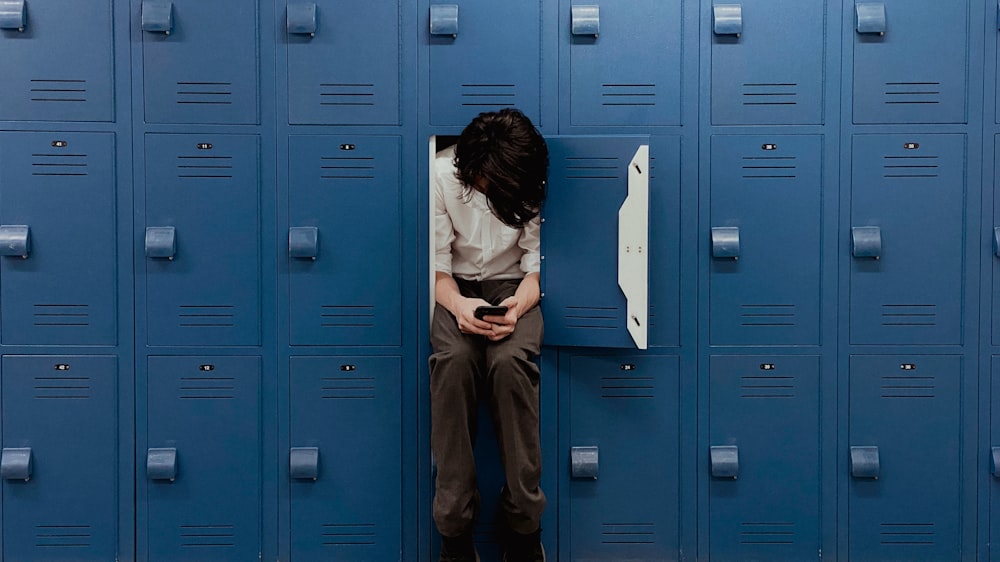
(901, 75)
(349, 292)
(613, 80)
(205, 69)
(665, 230)
(60, 67)
(622, 503)
(749, 86)
(64, 410)
(62, 187)
(766, 195)
(206, 188)
(348, 72)
(490, 63)
(594, 242)
(207, 409)
(995, 295)
(768, 507)
(348, 408)
(993, 463)
(908, 192)
(907, 407)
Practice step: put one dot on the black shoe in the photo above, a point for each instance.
(458, 549)
(524, 548)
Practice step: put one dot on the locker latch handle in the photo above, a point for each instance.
(300, 18)
(865, 462)
(996, 241)
(726, 242)
(303, 242)
(161, 464)
(870, 17)
(633, 248)
(584, 462)
(866, 242)
(725, 461)
(161, 242)
(157, 16)
(585, 20)
(15, 464)
(727, 19)
(15, 240)
(13, 15)
(995, 454)
(444, 19)
(303, 463)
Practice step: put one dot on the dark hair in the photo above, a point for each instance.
(506, 151)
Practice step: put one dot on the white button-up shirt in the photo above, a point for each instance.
(470, 242)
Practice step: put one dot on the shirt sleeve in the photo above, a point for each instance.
(444, 231)
(530, 242)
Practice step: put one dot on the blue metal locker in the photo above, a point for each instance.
(57, 62)
(200, 60)
(202, 239)
(764, 438)
(612, 79)
(57, 219)
(766, 234)
(621, 491)
(202, 474)
(993, 461)
(345, 460)
(995, 294)
(343, 62)
(767, 62)
(484, 56)
(594, 218)
(665, 230)
(345, 285)
(904, 459)
(911, 61)
(60, 458)
(907, 238)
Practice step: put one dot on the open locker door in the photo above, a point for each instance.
(595, 250)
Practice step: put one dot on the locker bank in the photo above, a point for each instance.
(771, 275)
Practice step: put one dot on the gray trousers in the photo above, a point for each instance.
(465, 368)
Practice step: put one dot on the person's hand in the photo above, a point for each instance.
(467, 321)
(503, 326)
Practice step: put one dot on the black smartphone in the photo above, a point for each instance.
(489, 311)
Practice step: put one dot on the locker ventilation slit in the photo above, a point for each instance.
(901, 167)
(347, 388)
(206, 388)
(896, 386)
(756, 386)
(62, 536)
(207, 536)
(205, 316)
(628, 387)
(767, 315)
(769, 167)
(912, 93)
(58, 90)
(62, 315)
(908, 534)
(58, 164)
(909, 315)
(347, 316)
(485, 533)
(62, 388)
(592, 168)
(599, 318)
(205, 167)
(340, 168)
(205, 93)
(347, 94)
(632, 95)
(769, 94)
(348, 534)
(758, 532)
(489, 95)
(628, 533)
